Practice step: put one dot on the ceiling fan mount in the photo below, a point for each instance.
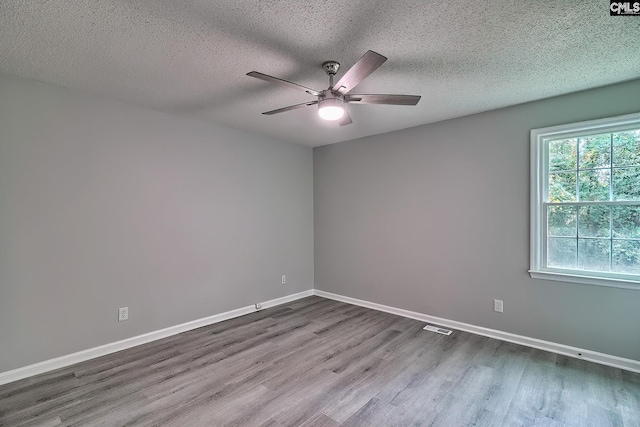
(331, 67)
(331, 101)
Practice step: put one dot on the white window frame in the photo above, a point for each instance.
(539, 194)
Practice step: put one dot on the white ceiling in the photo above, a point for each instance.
(190, 58)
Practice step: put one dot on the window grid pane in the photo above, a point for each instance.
(562, 252)
(626, 256)
(594, 152)
(626, 148)
(626, 183)
(594, 254)
(626, 221)
(562, 221)
(562, 186)
(563, 155)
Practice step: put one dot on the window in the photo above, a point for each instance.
(585, 202)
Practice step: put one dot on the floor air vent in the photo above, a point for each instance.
(436, 329)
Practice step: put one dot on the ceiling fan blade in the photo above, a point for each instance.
(291, 107)
(282, 82)
(366, 65)
(345, 119)
(382, 99)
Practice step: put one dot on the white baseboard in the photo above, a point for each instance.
(81, 356)
(579, 353)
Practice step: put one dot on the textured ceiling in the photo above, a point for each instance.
(190, 57)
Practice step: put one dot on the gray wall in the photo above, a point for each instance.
(104, 205)
(435, 219)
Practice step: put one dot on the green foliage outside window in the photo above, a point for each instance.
(598, 168)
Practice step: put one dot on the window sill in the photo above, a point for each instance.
(610, 282)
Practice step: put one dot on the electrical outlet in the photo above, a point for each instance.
(258, 306)
(284, 279)
(123, 314)
(498, 305)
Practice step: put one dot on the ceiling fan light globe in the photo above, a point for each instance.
(330, 109)
(331, 113)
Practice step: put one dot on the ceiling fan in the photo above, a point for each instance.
(331, 101)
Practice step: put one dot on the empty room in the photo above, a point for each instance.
(319, 213)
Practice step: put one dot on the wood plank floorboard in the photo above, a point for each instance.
(315, 362)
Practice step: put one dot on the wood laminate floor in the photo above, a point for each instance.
(320, 363)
